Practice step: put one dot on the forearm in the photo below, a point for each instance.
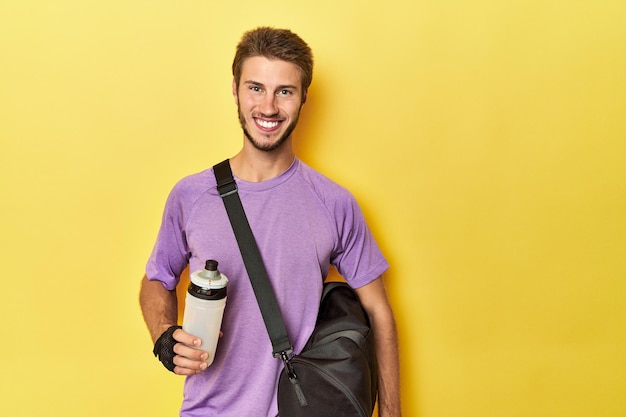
(374, 300)
(159, 307)
(388, 366)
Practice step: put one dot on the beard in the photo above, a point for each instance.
(269, 147)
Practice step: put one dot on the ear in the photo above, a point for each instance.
(235, 91)
(304, 96)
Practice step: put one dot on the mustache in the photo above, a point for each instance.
(277, 117)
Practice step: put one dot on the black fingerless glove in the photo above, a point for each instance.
(164, 348)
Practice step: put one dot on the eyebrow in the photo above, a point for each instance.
(280, 87)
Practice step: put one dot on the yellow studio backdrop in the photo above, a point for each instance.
(485, 141)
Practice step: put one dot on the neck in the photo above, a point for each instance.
(254, 165)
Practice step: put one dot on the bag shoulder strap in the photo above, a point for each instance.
(253, 262)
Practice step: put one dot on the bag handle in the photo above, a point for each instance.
(263, 291)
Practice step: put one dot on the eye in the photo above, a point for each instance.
(285, 92)
(255, 88)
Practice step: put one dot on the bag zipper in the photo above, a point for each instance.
(335, 382)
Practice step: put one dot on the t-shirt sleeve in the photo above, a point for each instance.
(170, 254)
(358, 258)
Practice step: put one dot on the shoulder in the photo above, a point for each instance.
(326, 189)
(199, 180)
(188, 189)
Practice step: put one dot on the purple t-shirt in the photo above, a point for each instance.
(303, 223)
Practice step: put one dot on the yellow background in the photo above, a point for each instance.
(484, 139)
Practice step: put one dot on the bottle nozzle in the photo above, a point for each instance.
(210, 265)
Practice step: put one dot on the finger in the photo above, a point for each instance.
(179, 370)
(183, 337)
(186, 366)
(190, 352)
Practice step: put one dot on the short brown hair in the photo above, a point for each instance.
(273, 43)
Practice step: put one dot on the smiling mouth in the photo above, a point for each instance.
(267, 124)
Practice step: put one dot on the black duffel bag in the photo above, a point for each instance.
(336, 371)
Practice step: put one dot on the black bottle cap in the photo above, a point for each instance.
(210, 265)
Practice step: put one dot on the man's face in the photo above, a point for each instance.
(269, 99)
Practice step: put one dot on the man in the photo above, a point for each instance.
(302, 222)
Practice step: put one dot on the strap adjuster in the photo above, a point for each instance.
(227, 188)
(226, 184)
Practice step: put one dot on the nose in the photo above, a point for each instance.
(268, 105)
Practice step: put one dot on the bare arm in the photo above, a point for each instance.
(374, 300)
(160, 311)
(159, 307)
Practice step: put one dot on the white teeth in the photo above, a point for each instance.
(267, 125)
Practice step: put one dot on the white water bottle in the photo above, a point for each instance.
(204, 307)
